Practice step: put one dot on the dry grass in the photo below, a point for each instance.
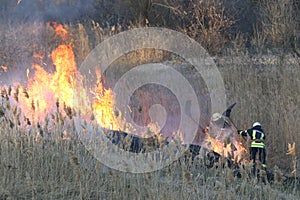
(53, 168)
(279, 23)
(48, 167)
(207, 23)
(266, 88)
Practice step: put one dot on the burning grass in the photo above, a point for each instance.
(46, 160)
(41, 168)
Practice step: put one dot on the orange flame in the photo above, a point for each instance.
(59, 30)
(4, 68)
(44, 88)
(38, 56)
(47, 88)
(103, 106)
(231, 148)
(46, 91)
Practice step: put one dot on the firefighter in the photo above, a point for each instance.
(220, 120)
(258, 137)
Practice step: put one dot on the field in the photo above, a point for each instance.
(41, 156)
(35, 168)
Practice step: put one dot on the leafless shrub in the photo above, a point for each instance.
(278, 25)
(207, 23)
(141, 9)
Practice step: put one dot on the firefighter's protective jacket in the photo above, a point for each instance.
(257, 136)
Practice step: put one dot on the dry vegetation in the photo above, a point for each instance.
(35, 167)
(261, 72)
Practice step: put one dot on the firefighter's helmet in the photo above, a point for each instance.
(256, 124)
(216, 116)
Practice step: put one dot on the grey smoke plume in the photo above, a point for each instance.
(62, 10)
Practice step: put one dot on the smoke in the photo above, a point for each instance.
(23, 31)
(58, 10)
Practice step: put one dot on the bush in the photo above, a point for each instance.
(278, 25)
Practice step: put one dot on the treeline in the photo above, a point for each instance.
(256, 26)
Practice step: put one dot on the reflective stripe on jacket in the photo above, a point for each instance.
(257, 142)
(257, 137)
